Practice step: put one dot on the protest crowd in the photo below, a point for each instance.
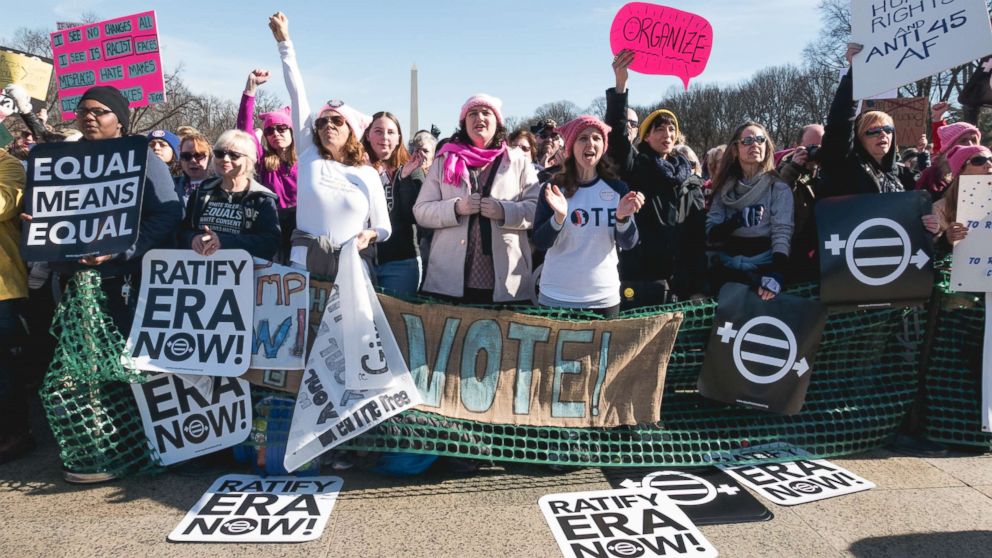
(590, 215)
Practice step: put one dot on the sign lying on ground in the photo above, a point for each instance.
(84, 198)
(760, 353)
(183, 421)
(121, 52)
(32, 72)
(797, 481)
(282, 298)
(249, 509)
(509, 368)
(194, 313)
(665, 41)
(909, 40)
(627, 522)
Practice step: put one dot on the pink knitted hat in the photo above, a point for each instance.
(356, 119)
(483, 100)
(571, 130)
(953, 132)
(279, 116)
(959, 155)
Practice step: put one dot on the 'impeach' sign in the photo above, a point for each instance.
(84, 198)
(121, 52)
(509, 368)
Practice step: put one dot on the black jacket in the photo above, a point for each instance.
(845, 166)
(672, 223)
(249, 222)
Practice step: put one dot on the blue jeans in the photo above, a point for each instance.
(400, 276)
(13, 376)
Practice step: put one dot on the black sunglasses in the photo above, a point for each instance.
(760, 140)
(878, 130)
(189, 156)
(96, 112)
(322, 122)
(979, 160)
(281, 128)
(221, 153)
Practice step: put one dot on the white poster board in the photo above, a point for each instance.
(907, 41)
(626, 522)
(797, 481)
(971, 270)
(194, 313)
(282, 306)
(183, 421)
(249, 509)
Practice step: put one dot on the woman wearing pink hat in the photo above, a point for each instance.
(583, 216)
(937, 178)
(339, 196)
(479, 198)
(963, 160)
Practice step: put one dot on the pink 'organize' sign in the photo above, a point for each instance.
(121, 52)
(666, 41)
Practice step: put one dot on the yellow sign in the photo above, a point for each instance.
(33, 72)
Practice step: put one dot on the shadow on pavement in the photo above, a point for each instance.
(964, 544)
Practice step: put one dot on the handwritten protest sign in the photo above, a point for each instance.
(971, 270)
(32, 72)
(194, 313)
(909, 114)
(182, 422)
(906, 41)
(84, 198)
(122, 52)
(282, 298)
(665, 41)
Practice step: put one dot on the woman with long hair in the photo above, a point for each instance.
(583, 216)
(479, 198)
(339, 196)
(750, 221)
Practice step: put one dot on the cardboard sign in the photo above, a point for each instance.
(909, 115)
(279, 332)
(194, 313)
(183, 422)
(971, 270)
(665, 41)
(122, 52)
(874, 250)
(84, 198)
(906, 41)
(796, 481)
(249, 509)
(628, 522)
(760, 353)
(34, 73)
(708, 496)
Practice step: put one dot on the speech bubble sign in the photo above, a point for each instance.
(666, 41)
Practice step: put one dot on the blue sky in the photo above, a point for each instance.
(525, 52)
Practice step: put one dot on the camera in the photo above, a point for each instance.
(813, 152)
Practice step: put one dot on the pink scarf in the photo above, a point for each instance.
(462, 157)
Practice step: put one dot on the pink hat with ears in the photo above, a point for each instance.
(953, 132)
(278, 116)
(356, 119)
(570, 131)
(483, 100)
(959, 155)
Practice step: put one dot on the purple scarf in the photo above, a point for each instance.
(462, 157)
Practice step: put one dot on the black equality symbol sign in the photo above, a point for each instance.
(707, 495)
(874, 249)
(760, 353)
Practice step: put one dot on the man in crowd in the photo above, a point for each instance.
(799, 168)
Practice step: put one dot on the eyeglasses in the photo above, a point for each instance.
(281, 128)
(632, 123)
(323, 121)
(979, 160)
(221, 153)
(97, 112)
(750, 140)
(189, 156)
(879, 129)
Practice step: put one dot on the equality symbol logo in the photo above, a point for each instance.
(764, 350)
(682, 488)
(895, 261)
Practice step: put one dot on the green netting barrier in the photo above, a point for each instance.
(863, 384)
(954, 375)
(89, 404)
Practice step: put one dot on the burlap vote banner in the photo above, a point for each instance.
(503, 367)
